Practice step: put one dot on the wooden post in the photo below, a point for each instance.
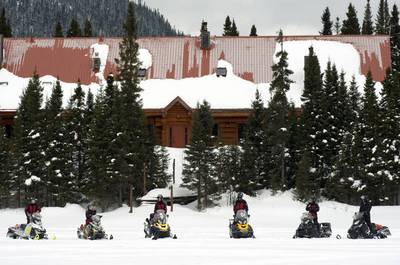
(130, 198)
(144, 178)
(172, 186)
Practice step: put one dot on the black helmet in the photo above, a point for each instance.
(240, 195)
(159, 197)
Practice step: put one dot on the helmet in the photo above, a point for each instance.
(364, 197)
(33, 200)
(159, 197)
(91, 207)
(240, 195)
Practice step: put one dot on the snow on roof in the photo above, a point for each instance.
(230, 92)
(145, 58)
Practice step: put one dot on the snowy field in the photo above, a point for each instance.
(203, 237)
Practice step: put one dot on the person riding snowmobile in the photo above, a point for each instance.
(365, 209)
(90, 212)
(160, 205)
(313, 208)
(31, 208)
(240, 204)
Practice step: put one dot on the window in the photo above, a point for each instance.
(221, 71)
(241, 128)
(142, 73)
(215, 130)
(186, 136)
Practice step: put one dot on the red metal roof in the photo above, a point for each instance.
(175, 57)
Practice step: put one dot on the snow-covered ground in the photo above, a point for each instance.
(203, 237)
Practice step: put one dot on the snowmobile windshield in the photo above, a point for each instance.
(358, 216)
(96, 219)
(37, 218)
(241, 217)
(306, 217)
(161, 217)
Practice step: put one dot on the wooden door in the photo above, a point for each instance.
(178, 135)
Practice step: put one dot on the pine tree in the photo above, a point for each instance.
(366, 143)
(228, 167)
(57, 160)
(395, 38)
(354, 102)
(367, 26)
(4, 162)
(87, 30)
(389, 145)
(29, 140)
(58, 32)
(234, 30)
(337, 26)
(253, 31)
(278, 124)
(158, 167)
(255, 149)
(350, 24)
(133, 138)
(5, 27)
(383, 18)
(74, 29)
(305, 176)
(227, 27)
(198, 171)
(326, 23)
(312, 123)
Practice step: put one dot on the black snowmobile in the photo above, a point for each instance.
(93, 231)
(307, 228)
(158, 226)
(239, 226)
(360, 229)
(34, 230)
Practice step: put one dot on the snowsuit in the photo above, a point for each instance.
(30, 209)
(365, 208)
(89, 214)
(240, 204)
(313, 208)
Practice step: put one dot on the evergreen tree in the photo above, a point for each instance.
(306, 187)
(366, 143)
(227, 27)
(253, 31)
(4, 162)
(87, 30)
(255, 150)
(74, 29)
(389, 146)
(5, 27)
(367, 26)
(29, 140)
(278, 124)
(383, 18)
(198, 171)
(326, 23)
(228, 167)
(133, 139)
(354, 102)
(57, 160)
(350, 24)
(312, 125)
(337, 26)
(234, 30)
(395, 38)
(158, 168)
(58, 32)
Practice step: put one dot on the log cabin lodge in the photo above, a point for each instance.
(174, 58)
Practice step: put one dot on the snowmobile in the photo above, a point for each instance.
(158, 227)
(360, 229)
(307, 228)
(34, 230)
(93, 231)
(239, 226)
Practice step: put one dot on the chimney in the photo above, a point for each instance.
(205, 36)
(1, 50)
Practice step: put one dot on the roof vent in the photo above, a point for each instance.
(205, 36)
(142, 73)
(4, 83)
(96, 64)
(221, 71)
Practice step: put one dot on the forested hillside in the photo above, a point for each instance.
(39, 17)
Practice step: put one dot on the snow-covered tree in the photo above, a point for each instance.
(395, 38)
